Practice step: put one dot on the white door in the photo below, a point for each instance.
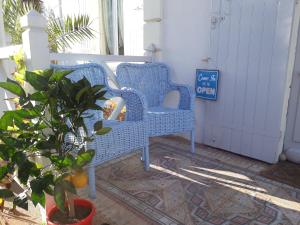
(250, 46)
(292, 137)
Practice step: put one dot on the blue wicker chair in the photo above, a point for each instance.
(125, 137)
(153, 81)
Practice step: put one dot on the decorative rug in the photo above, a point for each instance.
(284, 172)
(185, 188)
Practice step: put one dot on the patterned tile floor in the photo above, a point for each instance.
(211, 187)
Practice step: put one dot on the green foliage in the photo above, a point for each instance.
(62, 32)
(13, 10)
(13, 87)
(19, 59)
(40, 128)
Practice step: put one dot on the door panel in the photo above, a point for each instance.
(250, 46)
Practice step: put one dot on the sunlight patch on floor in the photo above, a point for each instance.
(225, 173)
(227, 181)
(176, 174)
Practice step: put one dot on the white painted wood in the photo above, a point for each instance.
(7, 67)
(250, 46)
(152, 34)
(95, 57)
(6, 52)
(153, 16)
(153, 12)
(35, 40)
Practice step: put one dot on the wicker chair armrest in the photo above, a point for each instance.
(187, 96)
(136, 104)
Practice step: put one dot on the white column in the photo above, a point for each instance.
(2, 33)
(35, 41)
(153, 25)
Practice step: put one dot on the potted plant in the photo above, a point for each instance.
(49, 124)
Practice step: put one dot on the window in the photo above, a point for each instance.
(118, 24)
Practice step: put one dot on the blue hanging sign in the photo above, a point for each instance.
(207, 84)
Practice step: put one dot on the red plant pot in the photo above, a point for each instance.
(82, 202)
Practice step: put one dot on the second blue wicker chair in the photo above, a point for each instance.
(125, 137)
(153, 81)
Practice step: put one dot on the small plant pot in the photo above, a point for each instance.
(77, 203)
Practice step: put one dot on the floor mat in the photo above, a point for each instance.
(182, 188)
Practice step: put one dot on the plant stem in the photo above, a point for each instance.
(71, 206)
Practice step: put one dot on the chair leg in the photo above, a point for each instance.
(92, 183)
(146, 158)
(193, 141)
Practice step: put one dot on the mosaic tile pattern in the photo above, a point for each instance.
(182, 188)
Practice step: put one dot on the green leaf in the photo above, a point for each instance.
(94, 106)
(98, 126)
(59, 197)
(103, 131)
(16, 117)
(49, 190)
(63, 162)
(84, 158)
(101, 94)
(42, 183)
(88, 139)
(81, 92)
(38, 198)
(10, 141)
(45, 73)
(67, 161)
(27, 169)
(97, 88)
(6, 120)
(6, 151)
(68, 186)
(13, 87)
(46, 144)
(26, 113)
(5, 193)
(38, 96)
(38, 82)
(19, 158)
(3, 171)
(60, 74)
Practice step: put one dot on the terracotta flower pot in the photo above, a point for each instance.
(78, 202)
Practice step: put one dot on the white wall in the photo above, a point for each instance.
(185, 43)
